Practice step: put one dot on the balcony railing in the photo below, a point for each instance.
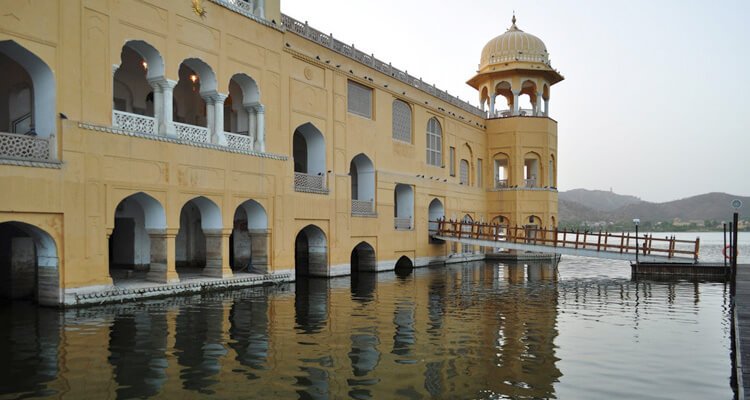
(134, 122)
(402, 224)
(25, 147)
(522, 112)
(192, 133)
(310, 183)
(241, 142)
(529, 183)
(363, 207)
(501, 184)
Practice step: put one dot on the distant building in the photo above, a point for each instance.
(217, 137)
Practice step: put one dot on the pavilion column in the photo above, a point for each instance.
(217, 129)
(538, 105)
(164, 116)
(492, 105)
(162, 269)
(515, 101)
(546, 107)
(260, 135)
(158, 102)
(217, 253)
(251, 122)
(261, 8)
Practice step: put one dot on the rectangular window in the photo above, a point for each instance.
(359, 100)
(479, 172)
(452, 161)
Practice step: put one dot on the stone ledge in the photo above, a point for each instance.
(31, 163)
(83, 297)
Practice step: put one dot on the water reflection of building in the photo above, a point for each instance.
(438, 333)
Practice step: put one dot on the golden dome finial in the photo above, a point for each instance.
(513, 20)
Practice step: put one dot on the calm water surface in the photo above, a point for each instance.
(478, 330)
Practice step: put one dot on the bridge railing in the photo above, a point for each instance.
(624, 243)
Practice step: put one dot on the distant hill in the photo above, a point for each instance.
(595, 207)
(598, 199)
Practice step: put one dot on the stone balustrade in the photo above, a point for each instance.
(192, 133)
(25, 147)
(134, 122)
(402, 223)
(310, 183)
(363, 207)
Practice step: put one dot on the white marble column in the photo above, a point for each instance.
(515, 101)
(217, 129)
(492, 105)
(546, 107)
(163, 92)
(538, 105)
(251, 122)
(260, 135)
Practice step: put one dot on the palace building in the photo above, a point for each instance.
(167, 141)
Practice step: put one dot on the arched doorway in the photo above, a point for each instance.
(250, 238)
(311, 252)
(362, 175)
(28, 87)
(29, 266)
(403, 210)
(138, 240)
(435, 212)
(244, 114)
(309, 151)
(198, 242)
(363, 259)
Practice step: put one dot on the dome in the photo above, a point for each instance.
(514, 45)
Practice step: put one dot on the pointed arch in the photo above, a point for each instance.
(311, 252)
(30, 259)
(363, 258)
(43, 90)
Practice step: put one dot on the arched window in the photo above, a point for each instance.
(434, 143)
(464, 170)
(401, 121)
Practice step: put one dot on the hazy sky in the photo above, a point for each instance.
(656, 93)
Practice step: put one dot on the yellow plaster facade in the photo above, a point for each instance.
(274, 180)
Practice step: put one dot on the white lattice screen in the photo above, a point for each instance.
(360, 100)
(401, 121)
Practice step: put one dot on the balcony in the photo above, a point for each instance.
(239, 141)
(501, 184)
(192, 133)
(16, 146)
(402, 224)
(529, 183)
(310, 183)
(363, 208)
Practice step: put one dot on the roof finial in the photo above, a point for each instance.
(514, 17)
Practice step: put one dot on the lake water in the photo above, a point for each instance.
(475, 330)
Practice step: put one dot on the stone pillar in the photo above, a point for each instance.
(165, 120)
(261, 8)
(260, 136)
(492, 105)
(515, 101)
(217, 253)
(158, 102)
(251, 125)
(538, 105)
(259, 246)
(210, 115)
(217, 129)
(546, 107)
(162, 268)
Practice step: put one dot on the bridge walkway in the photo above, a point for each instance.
(616, 246)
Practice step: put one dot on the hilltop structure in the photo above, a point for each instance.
(221, 138)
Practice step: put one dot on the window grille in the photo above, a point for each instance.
(401, 121)
(434, 143)
(464, 178)
(360, 100)
(452, 156)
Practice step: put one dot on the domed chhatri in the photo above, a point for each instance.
(514, 45)
(515, 64)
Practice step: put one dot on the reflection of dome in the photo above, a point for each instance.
(514, 45)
